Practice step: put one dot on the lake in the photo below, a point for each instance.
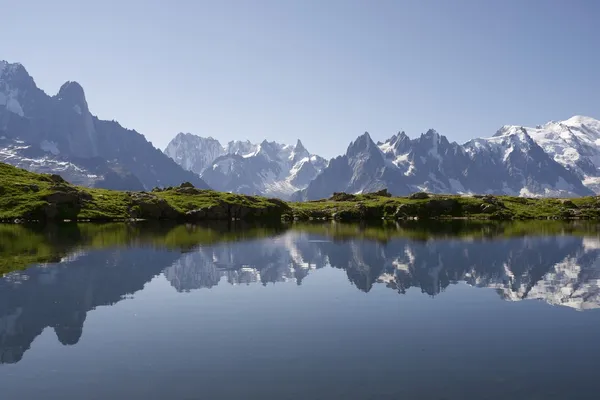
(397, 311)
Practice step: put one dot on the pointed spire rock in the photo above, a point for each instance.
(299, 147)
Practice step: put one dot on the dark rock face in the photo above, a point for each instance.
(67, 139)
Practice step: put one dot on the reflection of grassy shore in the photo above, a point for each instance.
(24, 244)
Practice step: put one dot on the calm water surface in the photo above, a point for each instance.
(316, 312)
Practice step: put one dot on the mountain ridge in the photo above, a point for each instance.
(60, 130)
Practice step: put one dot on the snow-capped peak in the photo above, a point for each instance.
(575, 144)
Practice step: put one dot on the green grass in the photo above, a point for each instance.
(183, 202)
(25, 195)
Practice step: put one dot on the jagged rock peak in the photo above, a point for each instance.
(299, 147)
(431, 134)
(364, 141)
(400, 136)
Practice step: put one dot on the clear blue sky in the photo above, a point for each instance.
(324, 71)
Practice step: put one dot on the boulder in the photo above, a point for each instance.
(57, 178)
(568, 204)
(419, 196)
(493, 200)
(63, 197)
(341, 196)
(380, 193)
(187, 190)
(149, 206)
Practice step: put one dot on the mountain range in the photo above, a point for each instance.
(559, 159)
(267, 168)
(58, 134)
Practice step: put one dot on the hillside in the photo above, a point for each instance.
(38, 197)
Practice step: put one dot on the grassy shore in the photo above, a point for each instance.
(27, 196)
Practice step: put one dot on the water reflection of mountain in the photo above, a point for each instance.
(562, 270)
(266, 261)
(60, 295)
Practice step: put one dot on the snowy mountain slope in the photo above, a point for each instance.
(44, 159)
(268, 168)
(61, 136)
(575, 144)
(512, 163)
